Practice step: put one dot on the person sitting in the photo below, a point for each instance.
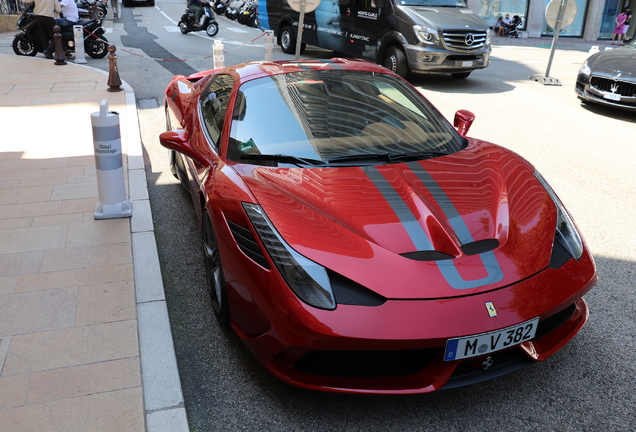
(498, 25)
(196, 6)
(69, 15)
(504, 28)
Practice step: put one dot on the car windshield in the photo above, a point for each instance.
(434, 3)
(337, 118)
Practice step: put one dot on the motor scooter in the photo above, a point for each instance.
(27, 42)
(84, 8)
(209, 24)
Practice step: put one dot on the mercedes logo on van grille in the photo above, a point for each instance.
(469, 39)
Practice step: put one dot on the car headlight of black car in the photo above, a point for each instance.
(307, 279)
(585, 69)
(566, 233)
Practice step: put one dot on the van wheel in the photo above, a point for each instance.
(460, 75)
(288, 41)
(395, 61)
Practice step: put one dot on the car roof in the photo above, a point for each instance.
(258, 69)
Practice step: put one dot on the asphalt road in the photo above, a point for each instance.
(587, 153)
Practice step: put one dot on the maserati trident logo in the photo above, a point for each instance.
(469, 39)
(614, 87)
(490, 307)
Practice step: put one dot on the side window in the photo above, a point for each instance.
(214, 102)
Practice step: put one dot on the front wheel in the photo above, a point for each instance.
(214, 271)
(288, 41)
(97, 48)
(462, 75)
(24, 46)
(212, 29)
(183, 27)
(395, 61)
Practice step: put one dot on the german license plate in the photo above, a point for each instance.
(467, 63)
(612, 96)
(484, 343)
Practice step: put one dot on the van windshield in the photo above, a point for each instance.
(434, 3)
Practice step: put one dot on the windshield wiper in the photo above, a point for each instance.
(387, 157)
(285, 159)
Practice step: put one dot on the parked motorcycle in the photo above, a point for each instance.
(27, 42)
(209, 24)
(233, 9)
(220, 6)
(84, 8)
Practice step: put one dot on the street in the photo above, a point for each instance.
(587, 153)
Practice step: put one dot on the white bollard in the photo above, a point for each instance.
(594, 49)
(217, 52)
(269, 45)
(109, 166)
(78, 35)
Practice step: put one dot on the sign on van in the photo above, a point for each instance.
(310, 5)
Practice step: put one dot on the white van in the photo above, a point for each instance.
(422, 36)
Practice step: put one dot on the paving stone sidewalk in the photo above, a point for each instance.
(85, 342)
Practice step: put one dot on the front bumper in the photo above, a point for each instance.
(429, 60)
(398, 348)
(587, 92)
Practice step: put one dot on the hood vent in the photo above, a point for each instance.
(427, 256)
(481, 246)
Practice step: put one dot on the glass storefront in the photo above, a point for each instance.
(611, 11)
(492, 9)
(577, 27)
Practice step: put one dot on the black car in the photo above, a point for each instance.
(609, 78)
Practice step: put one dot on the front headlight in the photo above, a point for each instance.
(426, 35)
(585, 69)
(566, 232)
(307, 279)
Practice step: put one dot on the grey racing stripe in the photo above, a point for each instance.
(449, 209)
(400, 208)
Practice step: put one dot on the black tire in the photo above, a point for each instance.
(212, 29)
(24, 46)
(127, 3)
(183, 27)
(214, 271)
(101, 12)
(395, 61)
(462, 75)
(151, 3)
(288, 41)
(96, 48)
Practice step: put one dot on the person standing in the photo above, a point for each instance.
(46, 11)
(619, 30)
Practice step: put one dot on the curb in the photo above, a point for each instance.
(164, 408)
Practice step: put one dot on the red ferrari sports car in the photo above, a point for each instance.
(357, 242)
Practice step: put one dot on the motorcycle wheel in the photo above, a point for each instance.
(101, 12)
(97, 49)
(220, 10)
(23, 45)
(183, 27)
(212, 29)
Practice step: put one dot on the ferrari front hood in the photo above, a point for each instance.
(442, 227)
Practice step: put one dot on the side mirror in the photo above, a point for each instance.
(463, 120)
(178, 140)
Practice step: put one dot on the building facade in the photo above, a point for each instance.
(594, 19)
